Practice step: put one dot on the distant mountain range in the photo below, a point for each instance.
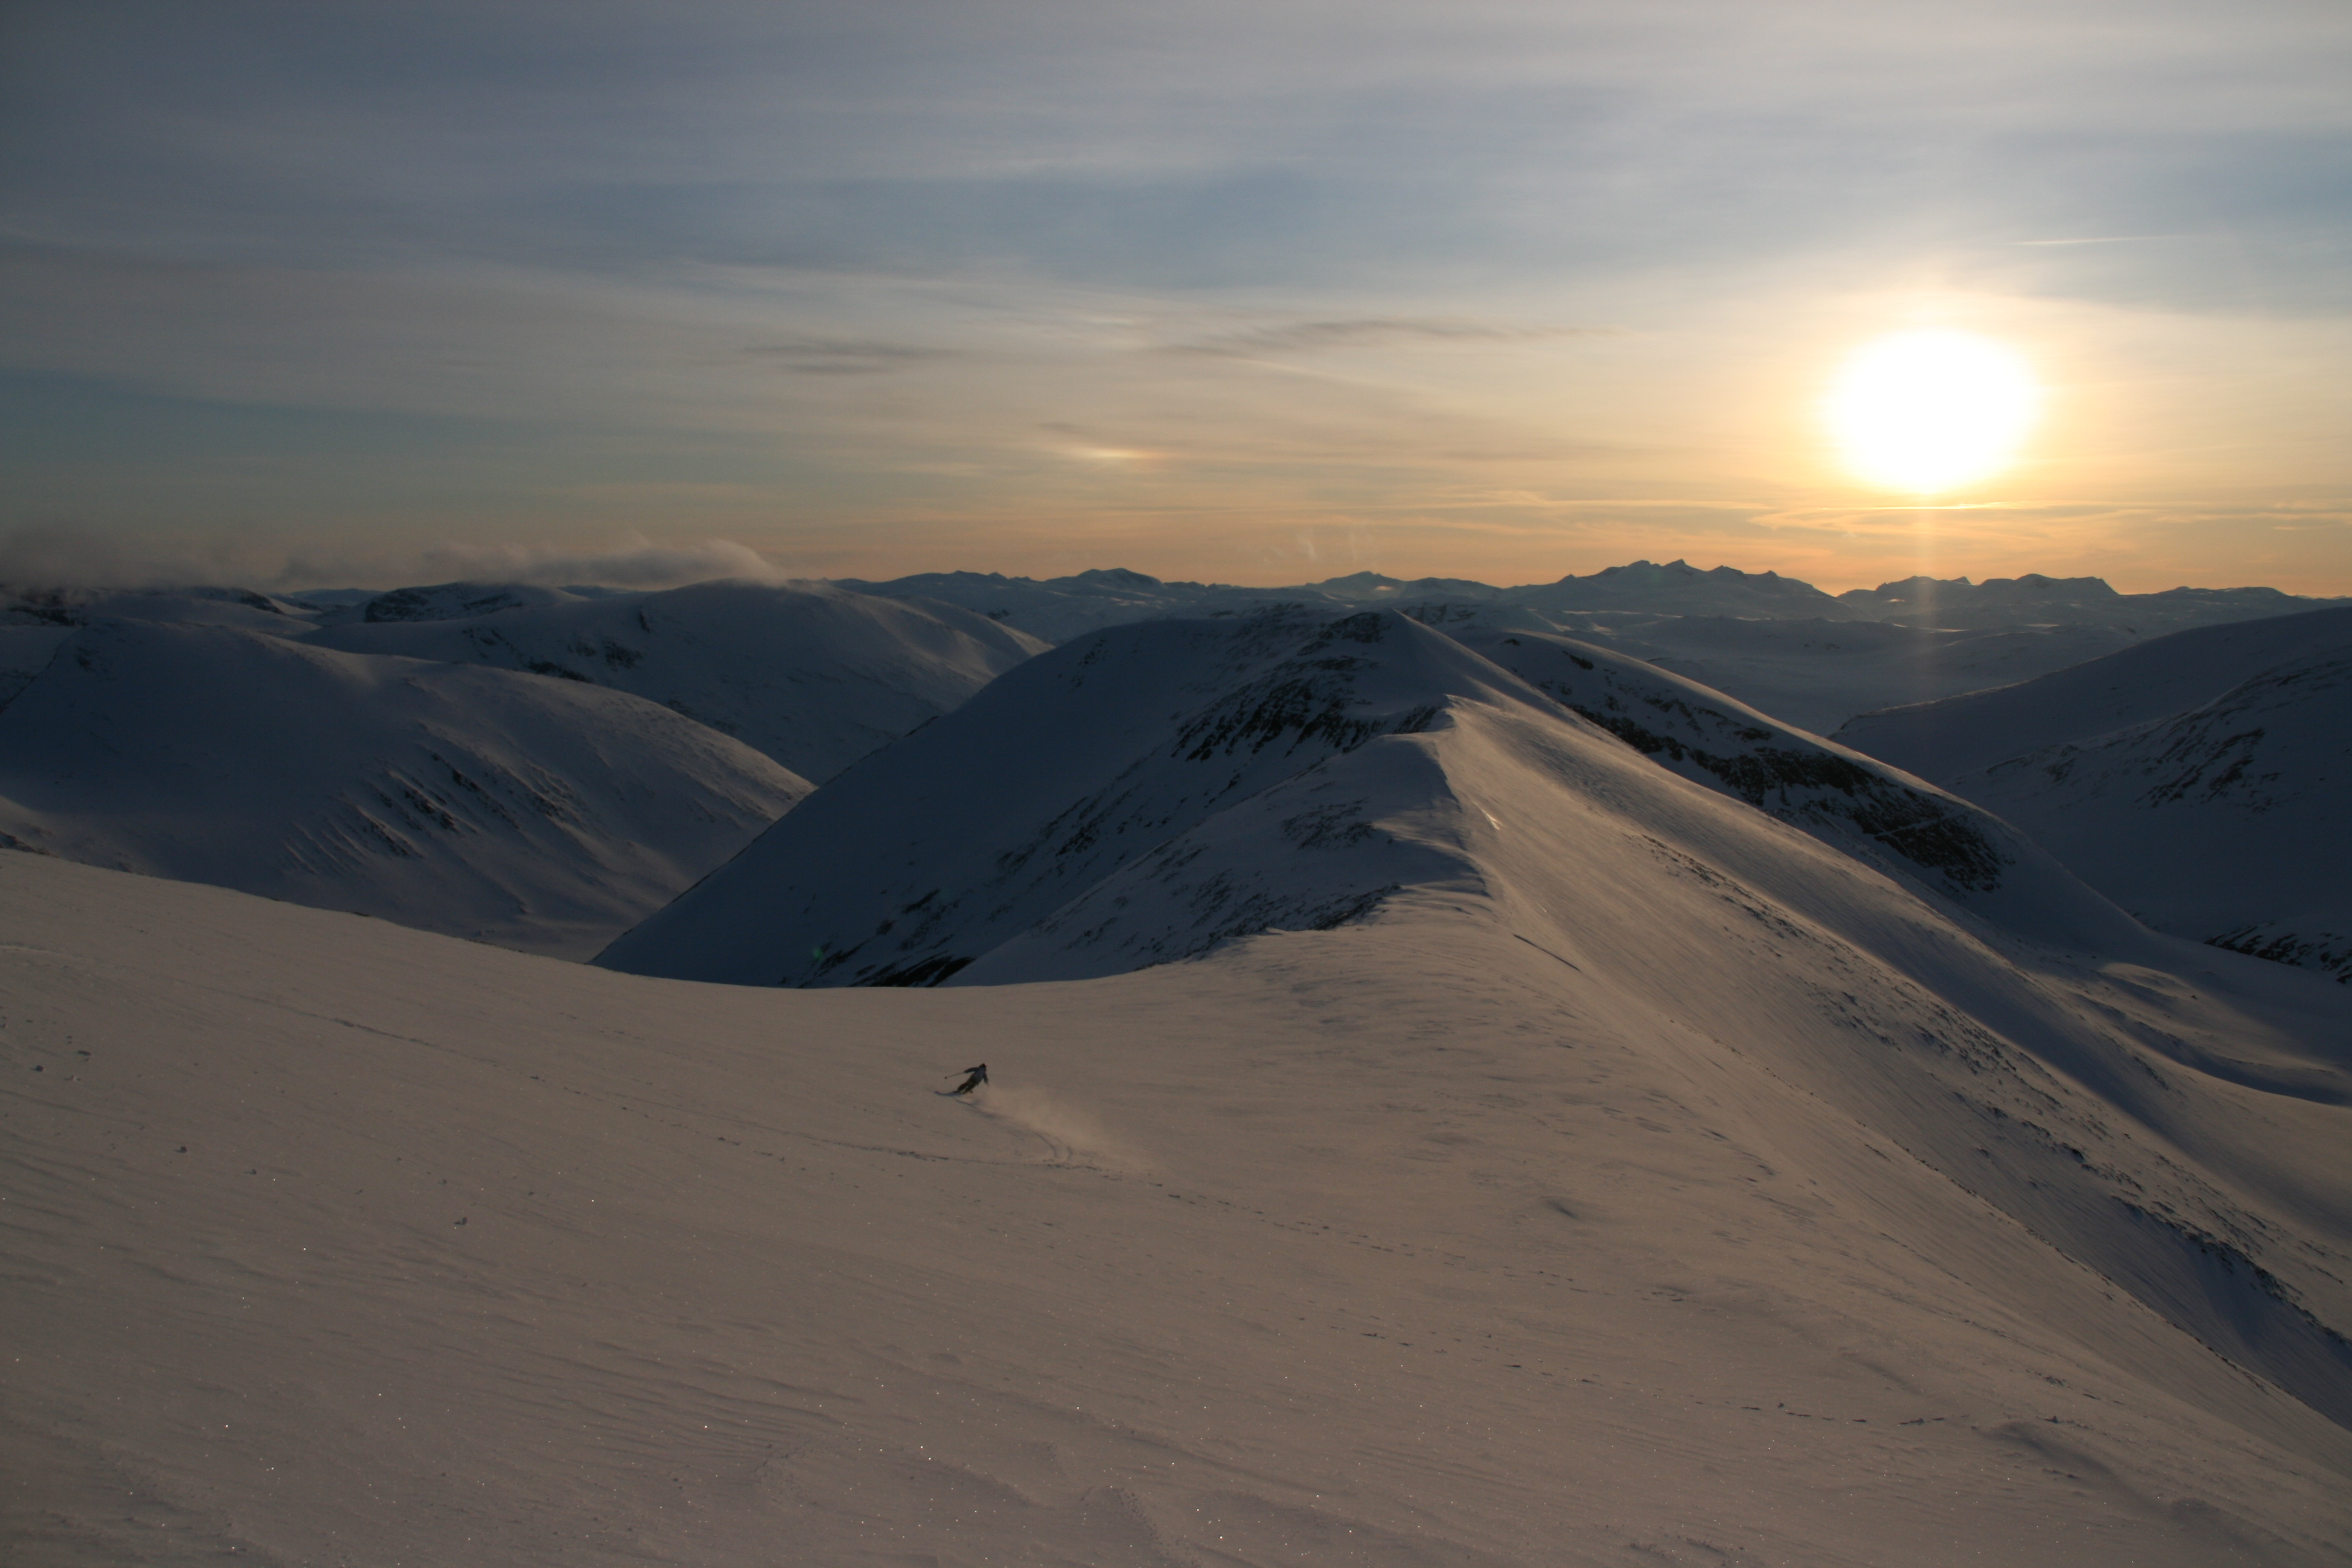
(1726, 676)
(1773, 642)
(1059, 608)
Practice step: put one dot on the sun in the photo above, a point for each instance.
(1927, 411)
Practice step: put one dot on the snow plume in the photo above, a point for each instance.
(53, 556)
(1071, 1136)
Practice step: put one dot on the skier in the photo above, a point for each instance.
(973, 1079)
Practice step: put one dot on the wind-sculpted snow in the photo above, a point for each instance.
(476, 802)
(2226, 823)
(811, 675)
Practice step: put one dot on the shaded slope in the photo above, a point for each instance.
(814, 676)
(2226, 823)
(2151, 681)
(977, 828)
(538, 814)
(1152, 790)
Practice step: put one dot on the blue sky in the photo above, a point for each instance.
(1251, 292)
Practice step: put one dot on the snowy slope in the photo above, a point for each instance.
(458, 602)
(1157, 793)
(537, 814)
(971, 831)
(813, 675)
(1815, 675)
(1855, 804)
(2149, 681)
(1682, 1193)
(24, 652)
(1150, 791)
(199, 607)
(2227, 823)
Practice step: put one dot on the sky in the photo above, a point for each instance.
(1264, 292)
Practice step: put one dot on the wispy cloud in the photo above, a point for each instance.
(1376, 331)
(844, 357)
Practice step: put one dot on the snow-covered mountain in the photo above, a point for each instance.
(2227, 823)
(1679, 588)
(198, 606)
(455, 602)
(2035, 599)
(536, 813)
(813, 675)
(1774, 642)
(1815, 675)
(1851, 802)
(1635, 1179)
(1060, 609)
(1136, 769)
(2147, 681)
(1147, 793)
(2199, 779)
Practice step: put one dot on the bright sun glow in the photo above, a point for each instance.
(1926, 411)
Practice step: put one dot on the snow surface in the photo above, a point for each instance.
(2151, 681)
(813, 675)
(1883, 817)
(1146, 792)
(2197, 779)
(1815, 675)
(1678, 1192)
(537, 814)
(2226, 823)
